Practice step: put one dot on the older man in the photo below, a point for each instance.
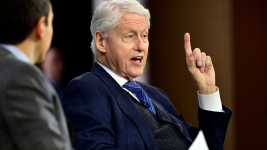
(31, 115)
(110, 110)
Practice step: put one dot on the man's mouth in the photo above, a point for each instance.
(137, 59)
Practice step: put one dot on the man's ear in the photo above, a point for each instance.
(40, 28)
(100, 41)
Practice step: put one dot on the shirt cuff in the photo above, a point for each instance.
(211, 102)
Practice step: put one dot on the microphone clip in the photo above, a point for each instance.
(144, 103)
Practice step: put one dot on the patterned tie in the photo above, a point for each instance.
(140, 94)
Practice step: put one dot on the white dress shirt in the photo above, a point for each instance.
(211, 102)
(16, 52)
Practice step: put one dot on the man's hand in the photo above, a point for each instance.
(200, 67)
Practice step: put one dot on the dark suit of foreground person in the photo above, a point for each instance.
(31, 115)
(105, 110)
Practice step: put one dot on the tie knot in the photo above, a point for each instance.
(132, 86)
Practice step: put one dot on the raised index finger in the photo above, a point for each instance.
(187, 45)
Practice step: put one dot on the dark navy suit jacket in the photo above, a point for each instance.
(104, 116)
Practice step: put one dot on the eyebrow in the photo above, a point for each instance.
(133, 31)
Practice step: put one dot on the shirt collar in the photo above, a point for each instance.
(16, 52)
(120, 80)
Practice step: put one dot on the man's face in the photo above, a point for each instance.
(47, 38)
(53, 65)
(127, 46)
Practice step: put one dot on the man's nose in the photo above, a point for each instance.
(140, 45)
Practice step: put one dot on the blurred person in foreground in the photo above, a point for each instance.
(54, 67)
(31, 115)
(110, 110)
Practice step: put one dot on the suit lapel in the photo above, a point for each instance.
(6, 53)
(127, 106)
(153, 96)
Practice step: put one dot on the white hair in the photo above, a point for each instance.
(108, 14)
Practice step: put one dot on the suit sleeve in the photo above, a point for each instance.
(32, 112)
(88, 107)
(213, 124)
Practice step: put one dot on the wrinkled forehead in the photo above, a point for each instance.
(132, 21)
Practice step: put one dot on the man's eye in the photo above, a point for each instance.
(129, 36)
